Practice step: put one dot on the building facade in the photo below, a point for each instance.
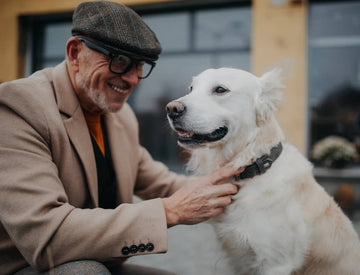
(317, 42)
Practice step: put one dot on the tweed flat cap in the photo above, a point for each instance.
(117, 27)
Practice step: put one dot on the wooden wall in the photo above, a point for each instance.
(280, 38)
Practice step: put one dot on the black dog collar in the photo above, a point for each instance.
(261, 165)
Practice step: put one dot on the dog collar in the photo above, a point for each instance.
(261, 165)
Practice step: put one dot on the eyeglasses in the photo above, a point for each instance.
(120, 62)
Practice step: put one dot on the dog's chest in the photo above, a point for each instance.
(262, 225)
(256, 216)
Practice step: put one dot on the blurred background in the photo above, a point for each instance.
(318, 42)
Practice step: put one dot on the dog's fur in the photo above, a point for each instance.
(281, 222)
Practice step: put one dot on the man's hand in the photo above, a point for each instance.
(200, 199)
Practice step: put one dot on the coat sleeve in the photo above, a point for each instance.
(153, 178)
(35, 209)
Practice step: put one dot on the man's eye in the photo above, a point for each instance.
(220, 90)
(121, 59)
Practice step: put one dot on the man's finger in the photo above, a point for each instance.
(226, 189)
(223, 201)
(224, 173)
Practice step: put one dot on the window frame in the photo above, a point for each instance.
(34, 28)
(329, 177)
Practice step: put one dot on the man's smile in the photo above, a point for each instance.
(118, 89)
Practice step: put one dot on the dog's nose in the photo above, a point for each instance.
(175, 109)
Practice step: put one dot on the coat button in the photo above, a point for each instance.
(134, 248)
(125, 251)
(142, 247)
(149, 247)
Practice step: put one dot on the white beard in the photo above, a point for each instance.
(96, 96)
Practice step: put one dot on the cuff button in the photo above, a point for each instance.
(149, 247)
(142, 247)
(125, 251)
(134, 248)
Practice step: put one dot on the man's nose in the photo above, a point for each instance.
(131, 76)
(175, 109)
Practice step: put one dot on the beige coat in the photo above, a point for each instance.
(48, 181)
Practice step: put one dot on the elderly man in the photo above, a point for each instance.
(70, 159)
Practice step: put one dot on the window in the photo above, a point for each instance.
(193, 39)
(334, 72)
(53, 51)
(192, 42)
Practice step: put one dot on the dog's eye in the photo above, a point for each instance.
(190, 88)
(220, 90)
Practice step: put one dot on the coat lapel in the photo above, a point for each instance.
(76, 127)
(120, 153)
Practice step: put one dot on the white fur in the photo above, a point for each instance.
(281, 222)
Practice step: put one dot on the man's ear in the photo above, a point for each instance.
(72, 53)
(270, 96)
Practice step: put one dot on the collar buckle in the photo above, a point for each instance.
(261, 164)
(267, 161)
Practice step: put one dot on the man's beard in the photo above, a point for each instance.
(96, 96)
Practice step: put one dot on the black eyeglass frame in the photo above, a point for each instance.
(111, 55)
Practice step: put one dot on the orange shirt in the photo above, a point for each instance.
(94, 124)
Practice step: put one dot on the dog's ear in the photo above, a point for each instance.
(270, 96)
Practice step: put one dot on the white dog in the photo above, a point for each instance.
(281, 221)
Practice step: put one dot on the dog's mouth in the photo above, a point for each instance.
(188, 137)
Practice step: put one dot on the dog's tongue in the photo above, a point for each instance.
(184, 134)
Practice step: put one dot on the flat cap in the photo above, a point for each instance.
(116, 27)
